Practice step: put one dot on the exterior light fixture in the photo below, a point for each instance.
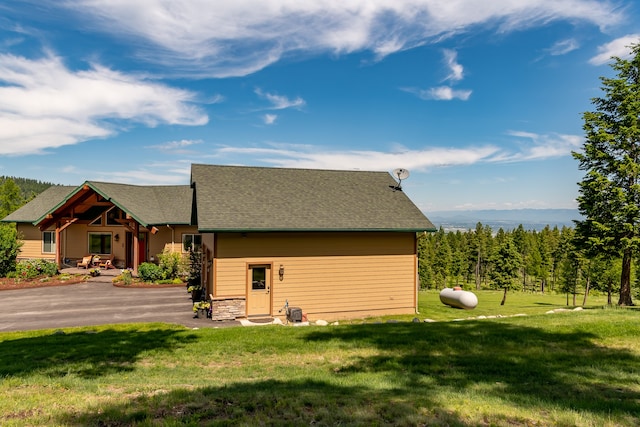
(281, 272)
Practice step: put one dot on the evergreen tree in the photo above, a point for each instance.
(521, 241)
(605, 275)
(442, 259)
(425, 260)
(534, 266)
(479, 252)
(10, 197)
(506, 263)
(458, 262)
(610, 190)
(547, 244)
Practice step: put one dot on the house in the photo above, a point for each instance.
(337, 244)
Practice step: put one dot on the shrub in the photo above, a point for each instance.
(124, 277)
(31, 268)
(150, 272)
(172, 264)
(9, 248)
(195, 269)
(176, 281)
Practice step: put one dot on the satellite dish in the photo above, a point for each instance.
(401, 174)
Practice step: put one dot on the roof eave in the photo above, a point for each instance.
(61, 203)
(306, 230)
(118, 205)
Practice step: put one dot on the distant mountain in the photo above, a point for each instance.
(507, 219)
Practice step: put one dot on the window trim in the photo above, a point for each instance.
(194, 246)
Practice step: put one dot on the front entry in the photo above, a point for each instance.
(259, 290)
(142, 248)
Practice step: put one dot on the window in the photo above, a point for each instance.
(113, 215)
(259, 278)
(48, 242)
(100, 243)
(191, 242)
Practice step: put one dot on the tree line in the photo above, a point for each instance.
(515, 260)
(14, 193)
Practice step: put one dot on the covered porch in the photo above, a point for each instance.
(89, 223)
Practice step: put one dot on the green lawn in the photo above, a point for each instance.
(516, 303)
(571, 368)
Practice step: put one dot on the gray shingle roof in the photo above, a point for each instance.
(237, 198)
(149, 205)
(40, 205)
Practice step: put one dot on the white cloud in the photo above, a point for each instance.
(241, 37)
(440, 93)
(45, 105)
(541, 146)
(144, 176)
(447, 93)
(269, 119)
(618, 47)
(302, 156)
(527, 147)
(279, 102)
(563, 47)
(456, 70)
(176, 146)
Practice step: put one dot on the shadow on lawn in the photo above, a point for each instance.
(89, 354)
(521, 365)
(269, 402)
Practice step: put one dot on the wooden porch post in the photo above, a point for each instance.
(58, 246)
(136, 247)
(59, 229)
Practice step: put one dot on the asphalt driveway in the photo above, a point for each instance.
(96, 302)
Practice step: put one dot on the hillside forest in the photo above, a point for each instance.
(516, 260)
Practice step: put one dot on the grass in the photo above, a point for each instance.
(572, 369)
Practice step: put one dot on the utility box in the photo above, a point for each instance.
(294, 314)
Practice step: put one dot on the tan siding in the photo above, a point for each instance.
(333, 275)
(31, 238)
(76, 245)
(168, 238)
(74, 241)
(231, 277)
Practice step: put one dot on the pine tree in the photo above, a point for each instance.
(506, 262)
(610, 190)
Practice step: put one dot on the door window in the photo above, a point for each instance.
(259, 279)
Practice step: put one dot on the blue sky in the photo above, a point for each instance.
(481, 101)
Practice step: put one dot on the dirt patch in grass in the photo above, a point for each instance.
(11, 283)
